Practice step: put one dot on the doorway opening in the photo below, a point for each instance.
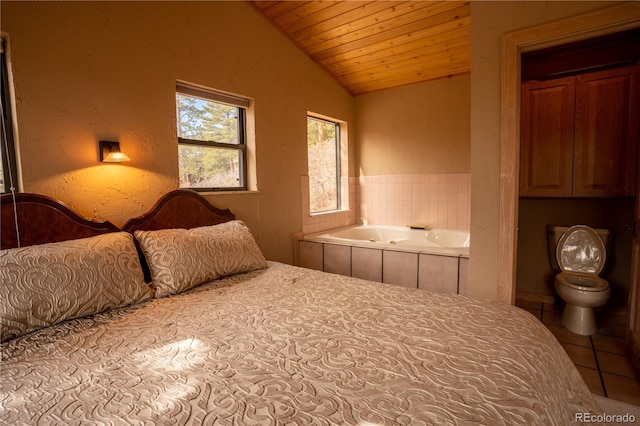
(600, 23)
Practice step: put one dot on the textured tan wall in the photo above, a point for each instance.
(490, 21)
(86, 71)
(417, 129)
(89, 71)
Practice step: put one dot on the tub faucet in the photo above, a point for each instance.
(419, 226)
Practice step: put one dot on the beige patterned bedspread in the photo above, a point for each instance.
(286, 345)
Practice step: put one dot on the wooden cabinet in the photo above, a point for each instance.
(547, 134)
(606, 135)
(579, 135)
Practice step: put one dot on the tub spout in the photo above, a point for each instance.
(419, 226)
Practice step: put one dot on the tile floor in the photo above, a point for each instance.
(602, 358)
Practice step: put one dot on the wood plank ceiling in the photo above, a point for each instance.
(374, 45)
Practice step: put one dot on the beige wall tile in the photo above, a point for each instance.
(366, 263)
(311, 255)
(400, 268)
(438, 273)
(337, 259)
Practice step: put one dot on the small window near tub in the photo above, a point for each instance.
(323, 153)
(212, 152)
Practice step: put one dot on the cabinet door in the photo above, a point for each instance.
(546, 137)
(606, 134)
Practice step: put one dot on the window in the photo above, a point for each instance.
(211, 139)
(9, 165)
(323, 152)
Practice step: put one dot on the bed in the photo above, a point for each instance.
(249, 341)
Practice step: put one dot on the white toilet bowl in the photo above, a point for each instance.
(581, 255)
(582, 293)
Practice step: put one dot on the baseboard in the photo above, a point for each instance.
(533, 297)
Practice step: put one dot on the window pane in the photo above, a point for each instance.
(205, 120)
(209, 167)
(322, 145)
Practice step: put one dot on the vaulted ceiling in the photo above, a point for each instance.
(374, 45)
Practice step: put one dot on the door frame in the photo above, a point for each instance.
(606, 21)
(633, 327)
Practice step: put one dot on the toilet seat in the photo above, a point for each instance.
(581, 250)
(582, 282)
(581, 255)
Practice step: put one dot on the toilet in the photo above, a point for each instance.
(580, 253)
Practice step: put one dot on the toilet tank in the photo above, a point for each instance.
(554, 232)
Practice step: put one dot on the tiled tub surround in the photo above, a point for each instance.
(335, 219)
(439, 200)
(412, 269)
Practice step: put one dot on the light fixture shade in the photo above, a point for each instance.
(116, 157)
(110, 152)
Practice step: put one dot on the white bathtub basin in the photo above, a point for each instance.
(399, 237)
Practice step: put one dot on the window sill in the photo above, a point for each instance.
(239, 192)
(329, 212)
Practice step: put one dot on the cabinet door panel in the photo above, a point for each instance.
(547, 132)
(606, 133)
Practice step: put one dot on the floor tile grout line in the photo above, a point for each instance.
(593, 349)
(620, 375)
(542, 312)
(612, 353)
(595, 355)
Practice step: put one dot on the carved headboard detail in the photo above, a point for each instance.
(182, 208)
(41, 219)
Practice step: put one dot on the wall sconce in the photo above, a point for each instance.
(110, 152)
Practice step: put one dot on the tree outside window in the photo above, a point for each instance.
(211, 136)
(323, 145)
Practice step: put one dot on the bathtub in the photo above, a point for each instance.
(433, 241)
(435, 259)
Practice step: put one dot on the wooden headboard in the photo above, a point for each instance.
(41, 220)
(182, 208)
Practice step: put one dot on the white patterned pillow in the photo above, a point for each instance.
(46, 284)
(180, 259)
